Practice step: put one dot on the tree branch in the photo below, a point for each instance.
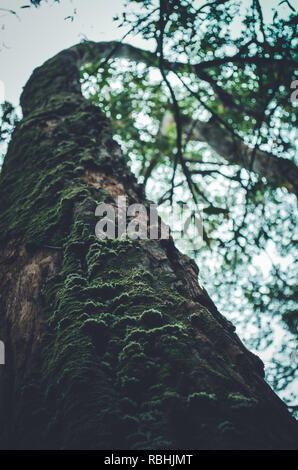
(277, 171)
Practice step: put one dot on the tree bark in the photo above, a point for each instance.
(110, 344)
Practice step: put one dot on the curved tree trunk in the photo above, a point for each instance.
(109, 344)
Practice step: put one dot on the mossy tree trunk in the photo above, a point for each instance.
(109, 344)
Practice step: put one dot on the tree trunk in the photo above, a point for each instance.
(110, 344)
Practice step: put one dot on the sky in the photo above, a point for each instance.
(40, 33)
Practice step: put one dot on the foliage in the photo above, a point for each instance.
(249, 227)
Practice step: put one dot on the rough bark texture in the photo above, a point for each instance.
(109, 344)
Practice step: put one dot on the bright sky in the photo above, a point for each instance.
(40, 33)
